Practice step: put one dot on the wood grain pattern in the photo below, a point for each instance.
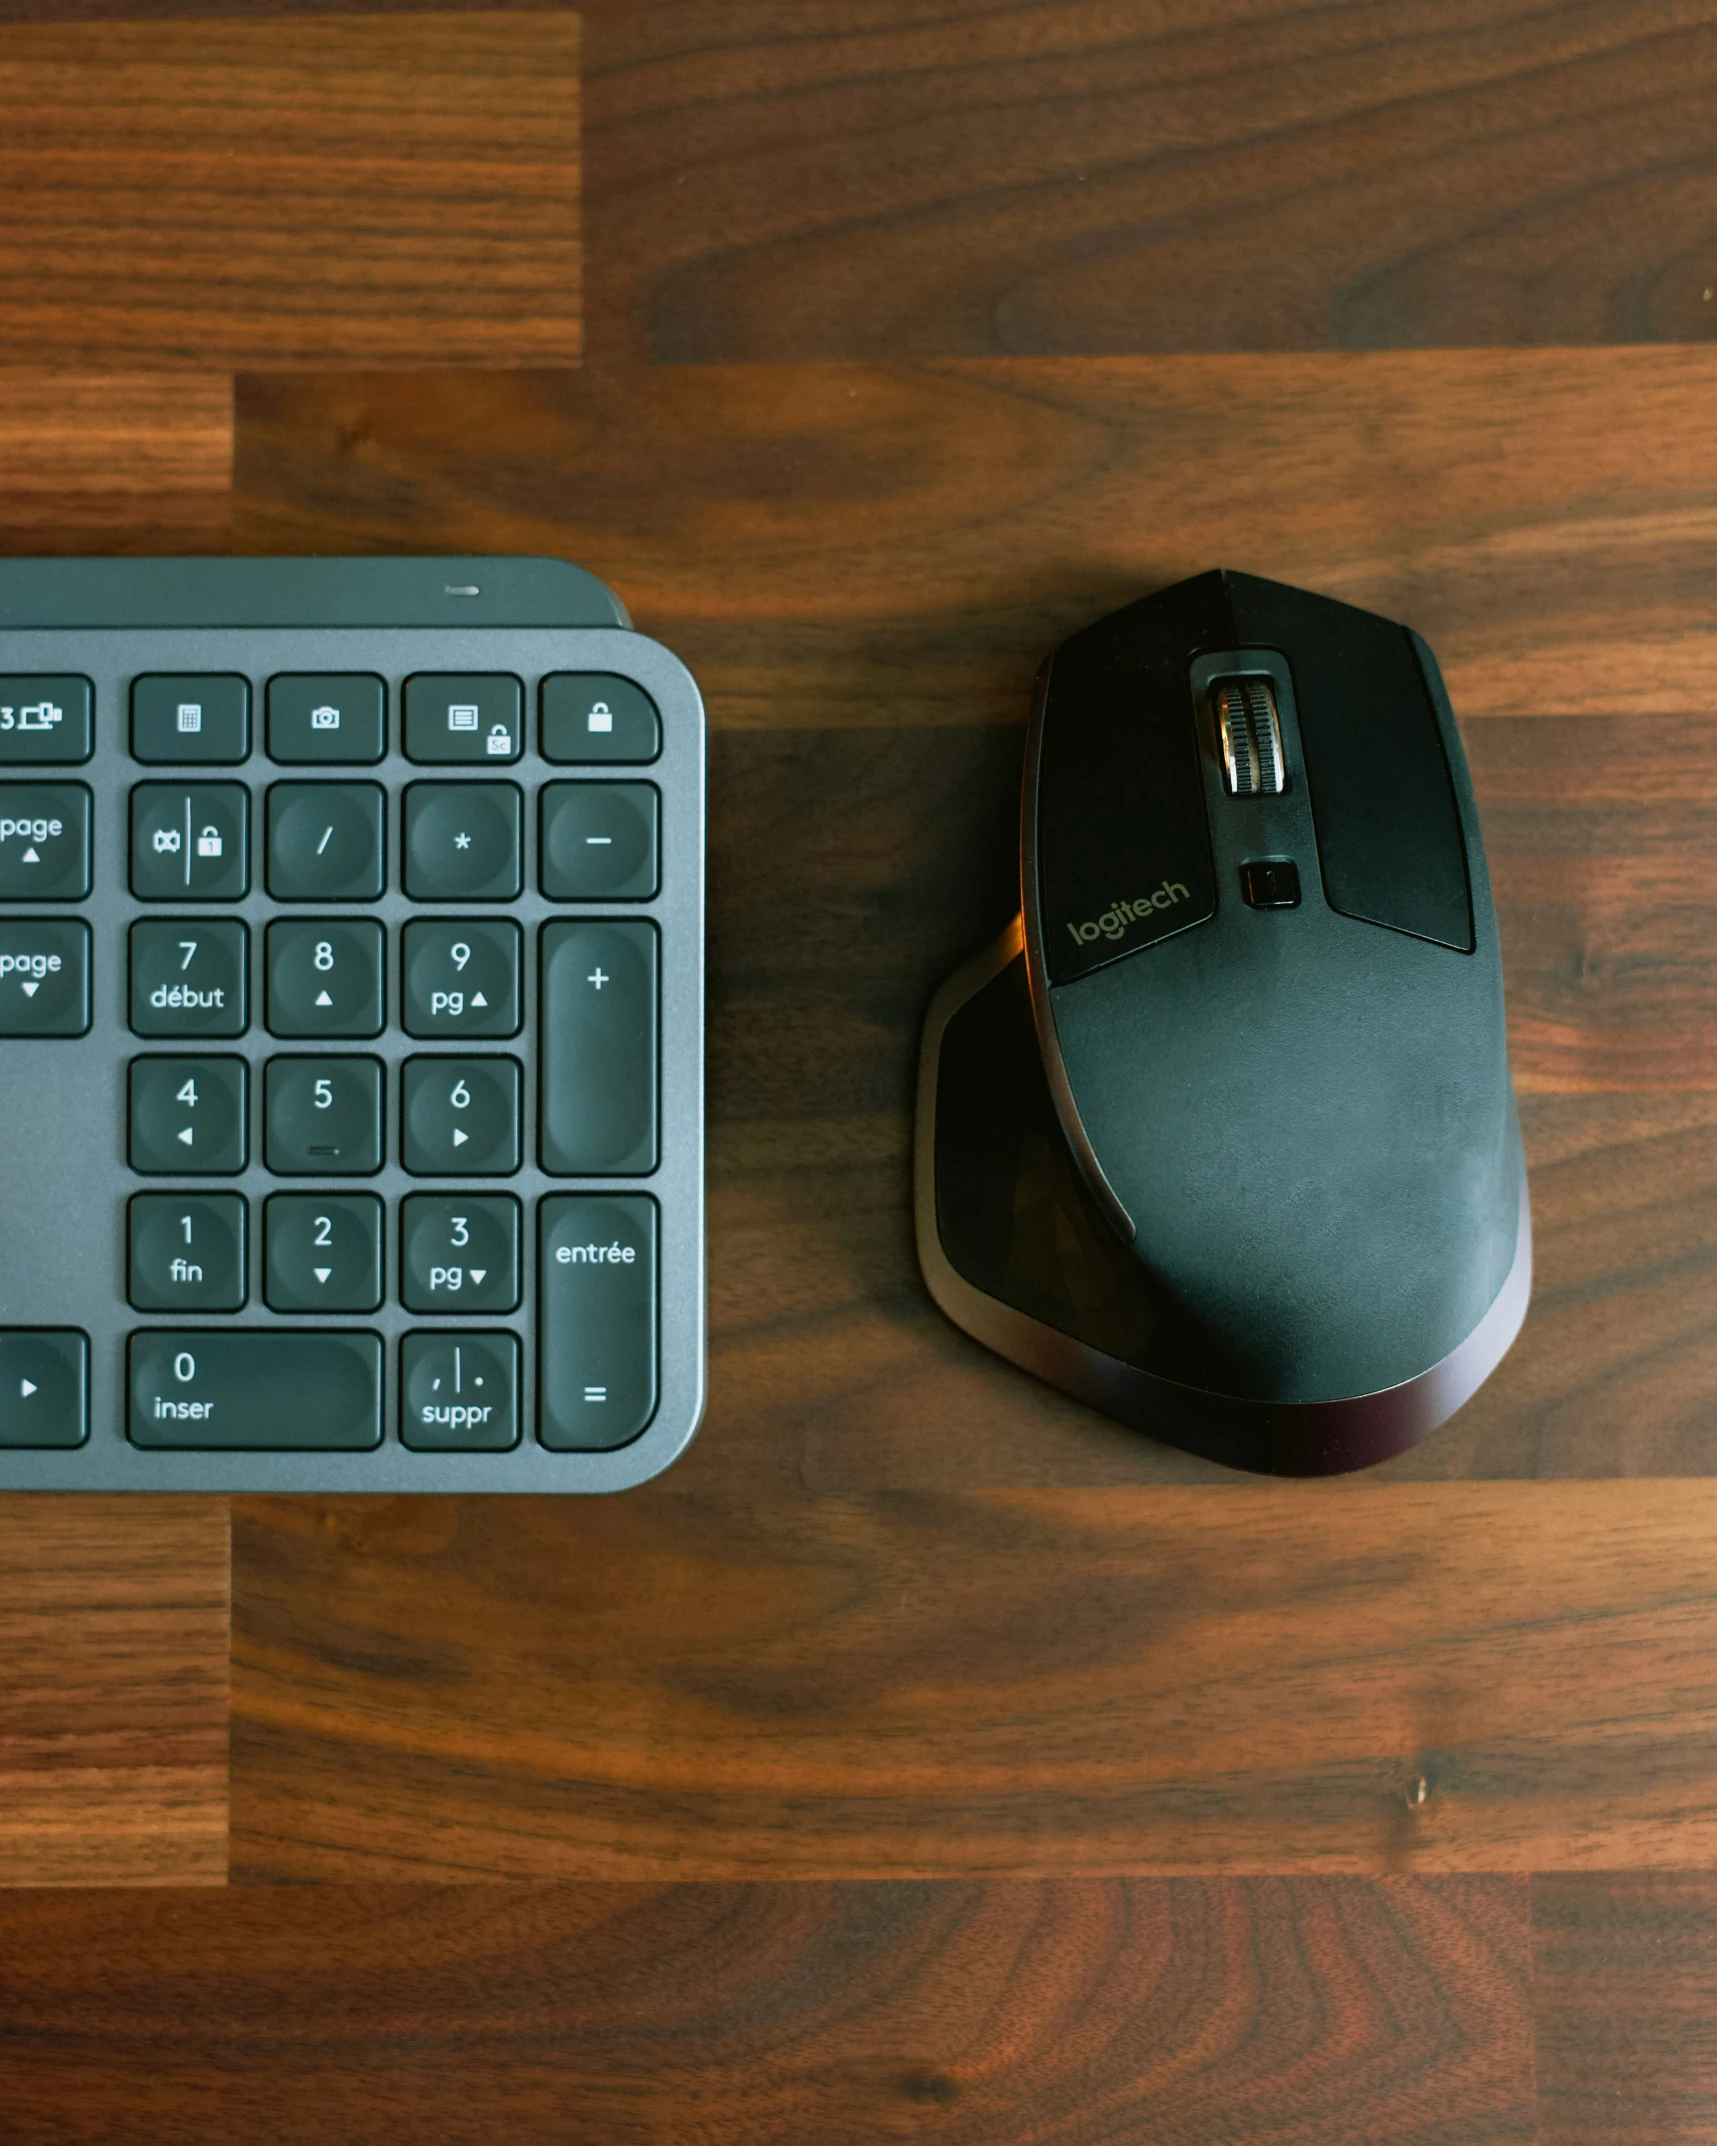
(1060, 2014)
(113, 1705)
(900, 546)
(1626, 1972)
(330, 191)
(1605, 839)
(1367, 1678)
(902, 178)
(122, 462)
(902, 1615)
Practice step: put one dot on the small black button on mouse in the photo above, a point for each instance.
(1271, 883)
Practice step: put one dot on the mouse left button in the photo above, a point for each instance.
(1122, 842)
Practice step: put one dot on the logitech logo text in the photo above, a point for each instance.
(1112, 924)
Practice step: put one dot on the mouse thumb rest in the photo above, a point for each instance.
(1221, 1136)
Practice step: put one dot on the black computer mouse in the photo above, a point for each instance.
(1221, 1135)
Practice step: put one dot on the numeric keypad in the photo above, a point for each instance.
(365, 927)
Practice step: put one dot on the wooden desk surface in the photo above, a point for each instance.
(924, 1756)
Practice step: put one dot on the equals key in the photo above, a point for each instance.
(598, 1329)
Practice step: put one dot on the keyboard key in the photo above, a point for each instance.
(596, 1369)
(332, 717)
(459, 1393)
(44, 1386)
(462, 977)
(462, 1117)
(326, 841)
(44, 841)
(464, 841)
(46, 722)
(44, 977)
(599, 1050)
(593, 716)
(464, 717)
(186, 1251)
(322, 1117)
(190, 842)
(257, 1392)
(188, 976)
(599, 841)
(189, 1116)
(325, 977)
(323, 1251)
(459, 1252)
(191, 718)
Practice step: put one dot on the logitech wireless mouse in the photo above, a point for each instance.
(1220, 1136)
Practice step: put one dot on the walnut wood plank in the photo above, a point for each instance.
(1008, 2014)
(1626, 1985)
(900, 178)
(115, 462)
(1369, 1678)
(113, 1706)
(309, 191)
(900, 546)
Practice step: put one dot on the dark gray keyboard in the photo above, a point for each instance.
(351, 1028)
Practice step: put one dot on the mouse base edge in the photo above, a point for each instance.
(1317, 1438)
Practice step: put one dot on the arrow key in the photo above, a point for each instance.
(325, 977)
(462, 1116)
(322, 1251)
(188, 1116)
(44, 1386)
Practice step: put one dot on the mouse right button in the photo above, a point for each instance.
(1388, 827)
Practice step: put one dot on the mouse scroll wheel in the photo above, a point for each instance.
(1250, 735)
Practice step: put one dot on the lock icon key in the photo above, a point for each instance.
(601, 716)
(500, 741)
(209, 843)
